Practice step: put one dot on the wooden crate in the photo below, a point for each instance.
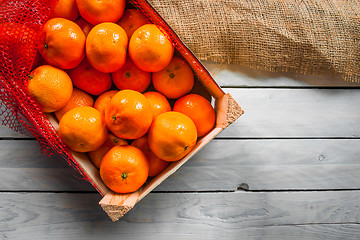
(227, 111)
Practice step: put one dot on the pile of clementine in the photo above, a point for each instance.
(118, 91)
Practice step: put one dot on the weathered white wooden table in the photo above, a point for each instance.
(289, 168)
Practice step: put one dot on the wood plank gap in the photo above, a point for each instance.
(292, 87)
(311, 223)
(243, 189)
(91, 192)
(287, 138)
(49, 191)
(16, 138)
(201, 191)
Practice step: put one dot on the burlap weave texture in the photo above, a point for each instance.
(319, 37)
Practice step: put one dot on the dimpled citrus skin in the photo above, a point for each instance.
(51, 87)
(128, 115)
(97, 155)
(62, 43)
(97, 11)
(172, 136)
(175, 80)
(131, 77)
(156, 165)
(131, 20)
(66, 9)
(124, 169)
(149, 48)
(158, 102)
(106, 47)
(78, 98)
(102, 102)
(199, 110)
(85, 77)
(82, 129)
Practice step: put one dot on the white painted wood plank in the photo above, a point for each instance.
(273, 113)
(236, 75)
(238, 215)
(271, 165)
(6, 132)
(292, 113)
(278, 164)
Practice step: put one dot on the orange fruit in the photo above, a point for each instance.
(82, 129)
(78, 98)
(175, 80)
(96, 12)
(62, 43)
(128, 115)
(102, 102)
(199, 110)
(172, 136)
(158, 102)
(106, 47)
(131, 77)
(51, 87)
(156, 165)
(124, 169)
(66, 9)
(131, 20)
(149, 48)
(87, 78)
(84, 25)
(97, 155)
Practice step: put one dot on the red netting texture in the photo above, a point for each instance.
(20, 24)
(155, 17)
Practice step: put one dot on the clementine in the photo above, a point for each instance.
(172, 136)
(124, 169)
(175, 80)
(106, 47)
(51, 87)
(84, 25)
(156, 165)
(131, 77)
(131, 20)
(87, 78)
(128, 115)
(158, 102)
(66, 9)
(150, 49)
(199, 110)
(62, 43)
(96, 12)
(78, 98)
(97, 155)
(82, 129)
(102, 102)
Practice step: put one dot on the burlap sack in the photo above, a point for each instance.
(319, 37)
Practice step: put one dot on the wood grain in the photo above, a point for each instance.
(6, 132)
(296, 113)
(238, 215)
(270, 164)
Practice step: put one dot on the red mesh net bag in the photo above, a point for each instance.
(20, 24)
